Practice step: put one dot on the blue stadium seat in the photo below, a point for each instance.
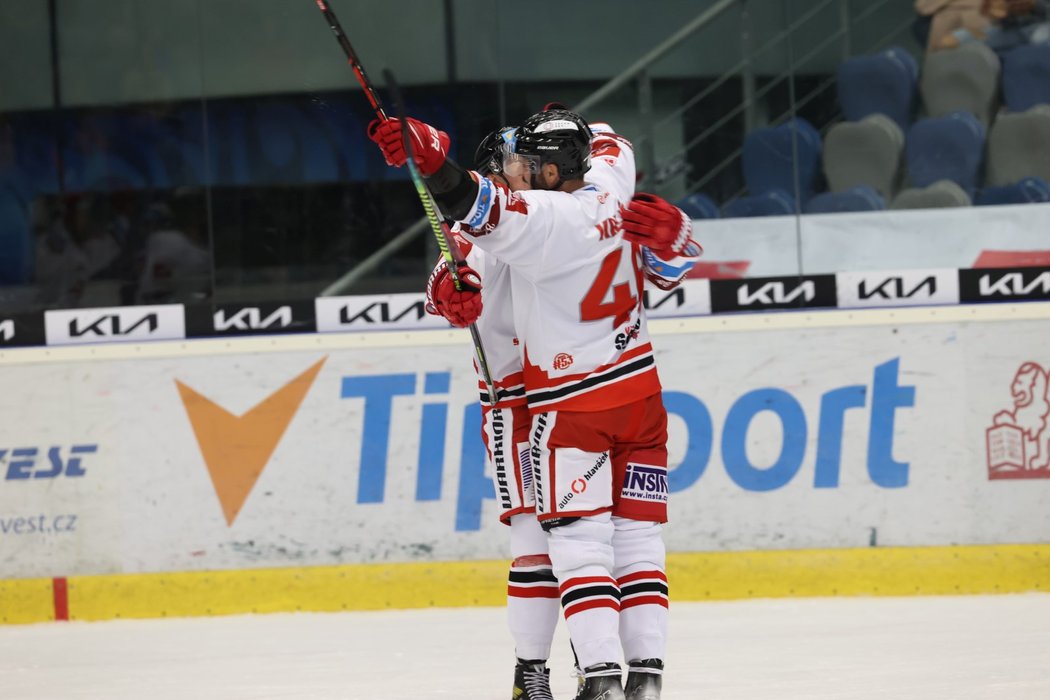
(1026, 77)
(1028, 190)
(769, 163)
(859, 198)
(882, 83)
(946, 148)
(698, 206)
(771, 203)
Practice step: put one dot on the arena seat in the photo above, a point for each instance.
(881, 83)
(946, 148)
(769, 203)
(859, 198)
(1027, 191)
(698, 206)
(868, 152)
(1026, 77)
(1019, 147)
(941, 194)
(964, 79)
(769, 158)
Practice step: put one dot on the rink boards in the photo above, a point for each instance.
(812, 453)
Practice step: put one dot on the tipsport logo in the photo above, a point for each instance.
(885, 401)
(1018, 442)
(376, 396)
(236, 449)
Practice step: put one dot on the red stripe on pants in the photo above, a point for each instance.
(643, 600)
(539, 592)
(591, 605)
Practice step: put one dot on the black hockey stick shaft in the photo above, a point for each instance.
(449, 250)
(351, 57)
(438, 225)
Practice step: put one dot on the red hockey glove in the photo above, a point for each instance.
(429, 145)
(461, 308)
(657, 224)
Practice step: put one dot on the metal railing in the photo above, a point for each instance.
(638, 68)
(640, 72)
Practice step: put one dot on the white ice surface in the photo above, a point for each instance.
(842, 649)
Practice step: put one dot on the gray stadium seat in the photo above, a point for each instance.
(939, 195)
(963, 79)
(867, 152)
(1019, 147)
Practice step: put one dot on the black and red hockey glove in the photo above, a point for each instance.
(459, 307)
(429, 145)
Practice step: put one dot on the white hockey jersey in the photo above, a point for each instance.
(575, 289)
(612, 169)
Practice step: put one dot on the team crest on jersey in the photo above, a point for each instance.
(562, 360)
(645, 482)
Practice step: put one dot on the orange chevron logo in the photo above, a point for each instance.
(236, 449)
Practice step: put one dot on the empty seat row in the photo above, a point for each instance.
(966, 79)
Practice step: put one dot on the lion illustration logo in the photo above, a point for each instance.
(1018, 442)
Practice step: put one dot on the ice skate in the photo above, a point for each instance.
(601, 682)
(644, 679)
(532, 680)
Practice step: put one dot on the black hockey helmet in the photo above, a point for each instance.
(488, 159)
(556, 136)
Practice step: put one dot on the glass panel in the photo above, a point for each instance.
(924, 132)
(214, 152)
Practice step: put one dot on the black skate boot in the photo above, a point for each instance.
(644, 679)
(601, 682)
(532, 680)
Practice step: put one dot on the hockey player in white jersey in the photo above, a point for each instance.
(532, 590)
(599, 426)
(532, 593)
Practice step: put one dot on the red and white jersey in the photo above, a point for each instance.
(612, 163)
(503, 351)
(576, 289)
(612, 168)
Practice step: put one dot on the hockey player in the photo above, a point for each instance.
(532, 590)
(599, 426)
(532, 595)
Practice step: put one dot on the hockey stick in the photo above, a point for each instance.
(449, 250)
(351, 57)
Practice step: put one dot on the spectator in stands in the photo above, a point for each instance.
(61, 267)
(950, 16)
(999, 24)
(1023, 22)
(177, 267)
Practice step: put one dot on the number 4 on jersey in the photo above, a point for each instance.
(594, 307)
